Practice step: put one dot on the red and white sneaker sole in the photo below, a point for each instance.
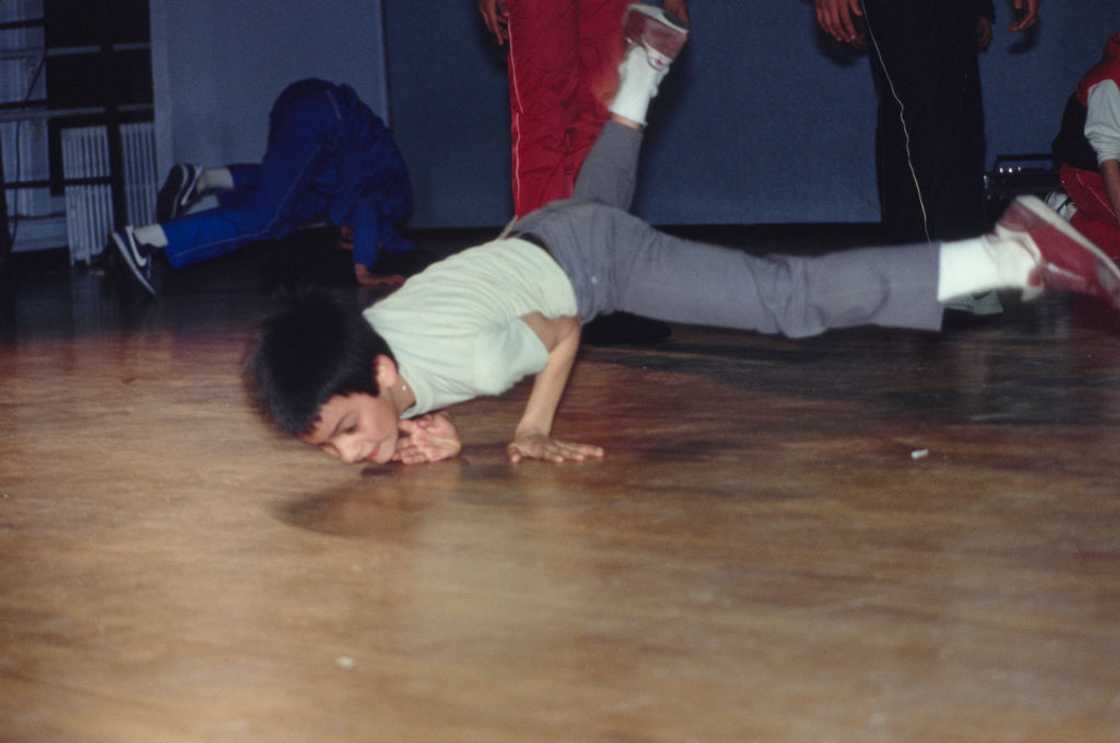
(649, 27)
(1079, 267)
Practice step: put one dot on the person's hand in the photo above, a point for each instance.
(428, 438)
(365, 278)
(539, 446)
(835, 19)
(983, 33)
(346, 238)
(679, 8)
(1029, 9)
(496, 17)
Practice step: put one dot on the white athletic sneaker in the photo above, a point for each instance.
(984, 304)
(1060, 202)
(662, 34)
(655, 38)
(1067, 260)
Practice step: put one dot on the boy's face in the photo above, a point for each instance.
(356, 428)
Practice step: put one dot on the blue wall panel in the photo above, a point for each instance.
(761, 120)
(219, 65)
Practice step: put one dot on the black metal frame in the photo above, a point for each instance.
(111, 116)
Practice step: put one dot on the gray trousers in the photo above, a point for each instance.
(618, 262)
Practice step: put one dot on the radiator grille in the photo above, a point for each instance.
(89, 209)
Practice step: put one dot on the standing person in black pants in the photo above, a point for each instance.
(929, 144)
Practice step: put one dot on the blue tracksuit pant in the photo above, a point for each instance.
(329, 158)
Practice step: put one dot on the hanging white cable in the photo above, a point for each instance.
(901, 118)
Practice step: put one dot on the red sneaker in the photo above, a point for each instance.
(1067, 260)
(662, 34)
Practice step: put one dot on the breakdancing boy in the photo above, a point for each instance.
(364, 387)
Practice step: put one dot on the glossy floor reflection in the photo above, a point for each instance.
(868, 536)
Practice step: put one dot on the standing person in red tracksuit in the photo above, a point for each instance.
(563, 69)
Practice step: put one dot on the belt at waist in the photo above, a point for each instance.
(529, 237)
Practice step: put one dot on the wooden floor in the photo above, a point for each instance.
(868, 536)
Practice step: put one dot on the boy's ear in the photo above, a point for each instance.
(385, 373)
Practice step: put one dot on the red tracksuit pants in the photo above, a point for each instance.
(1094, 218)
(563, 68)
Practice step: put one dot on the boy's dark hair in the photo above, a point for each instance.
(308, 352)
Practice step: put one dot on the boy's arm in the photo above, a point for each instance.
(533, 436)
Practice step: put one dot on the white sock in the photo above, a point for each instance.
(638, 81)
(982, 264)
(151, 234)
(214, 179)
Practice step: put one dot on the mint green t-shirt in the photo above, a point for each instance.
(456, 327)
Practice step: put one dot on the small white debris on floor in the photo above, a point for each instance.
(919, 454)
(345, 662)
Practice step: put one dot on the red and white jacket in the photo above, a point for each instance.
(1090, 131)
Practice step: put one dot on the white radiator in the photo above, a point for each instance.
(89, 209)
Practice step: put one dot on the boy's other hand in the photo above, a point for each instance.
(539, 446)
(428, 438)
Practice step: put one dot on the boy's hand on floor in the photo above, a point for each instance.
(365, 278)
(539, 446)
(428, 438)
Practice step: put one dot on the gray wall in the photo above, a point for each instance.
(219, 64)
(760, 121)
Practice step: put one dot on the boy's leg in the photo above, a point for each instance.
(610, 171)
(618, 262)
(1031, 249)
(682, 281)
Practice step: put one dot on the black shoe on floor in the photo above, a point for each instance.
(622, 328)
(135, 258)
